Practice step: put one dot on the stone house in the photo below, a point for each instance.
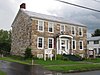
(40, 32)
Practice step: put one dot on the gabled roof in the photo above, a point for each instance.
(93, 38)
(51, 18)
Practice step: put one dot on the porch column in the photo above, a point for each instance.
(71, 43)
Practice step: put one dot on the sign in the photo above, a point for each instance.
(49, 53)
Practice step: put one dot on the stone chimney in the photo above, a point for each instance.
(23, 6)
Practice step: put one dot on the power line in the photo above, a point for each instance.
(79, 6)
(97, 1)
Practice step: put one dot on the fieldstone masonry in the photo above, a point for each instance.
(25, 33)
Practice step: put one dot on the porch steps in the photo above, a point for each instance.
(72, 57)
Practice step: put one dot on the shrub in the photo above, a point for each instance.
(28, 53)
(59, 57)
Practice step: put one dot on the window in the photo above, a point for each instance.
(50, 43)
(87, 42)
(96, 42)
(95, 50)
(80, 32)
(98, 50)
(50, 27)
(81, 45)
(74, 44)
(73, 30)
(40, 25)
(62, 28)
(40, 43)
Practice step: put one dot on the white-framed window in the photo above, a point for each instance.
(96, 41)
(73, 31)
(50, 43)
(80, 31)
(81, 45)
(74, 44)
(51, 27)
(40, 25)
(40, 42)
(62, 28)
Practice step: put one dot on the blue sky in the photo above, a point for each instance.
(9, 9)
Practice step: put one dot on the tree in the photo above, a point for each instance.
(28, 53)
(96, 33)
(5, 41)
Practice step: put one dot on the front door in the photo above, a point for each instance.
(63, 46)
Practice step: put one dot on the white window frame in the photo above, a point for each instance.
(81, 31)
(82, 45)
(51, 23)
(74, 30)
(42, 43)
(61, 27)
(75, 44)
(42, 25)
(52, 43)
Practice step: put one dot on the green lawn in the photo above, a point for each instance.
(97, 60)
(59, 65)
(16, 59)
(2, 73)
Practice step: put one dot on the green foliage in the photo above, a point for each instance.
(5, 42)
(2, 73)
(59, 56)
(28, 53)
(96, 33)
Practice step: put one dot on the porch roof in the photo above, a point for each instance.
(67, 36)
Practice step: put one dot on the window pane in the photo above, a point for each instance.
(98, 50)
(81, 47)
(80, 31)
(87, 42)
(95, 50)
(73, 30)
(40, 43)
(50, 30)
(50, 27)
(96, 42)
(62, 27)
(40, 25)
(50, 43)
(73, 44)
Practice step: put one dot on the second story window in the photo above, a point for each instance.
(62, 28)
(73, 30)
(50, 27)
(96, 42)
(80, 32)
(40, 25)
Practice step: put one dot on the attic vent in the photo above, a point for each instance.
(23, 6)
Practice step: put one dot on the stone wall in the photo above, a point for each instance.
(21, 33)
(25, 33)
(46, 34)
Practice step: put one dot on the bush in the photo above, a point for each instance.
(28, 53)
(59, 57)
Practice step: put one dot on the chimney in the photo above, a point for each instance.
(23, 6)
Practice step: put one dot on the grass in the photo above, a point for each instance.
(17, 59)
(97, 60)
(59, 65)
(2, 73)
(55, 62)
